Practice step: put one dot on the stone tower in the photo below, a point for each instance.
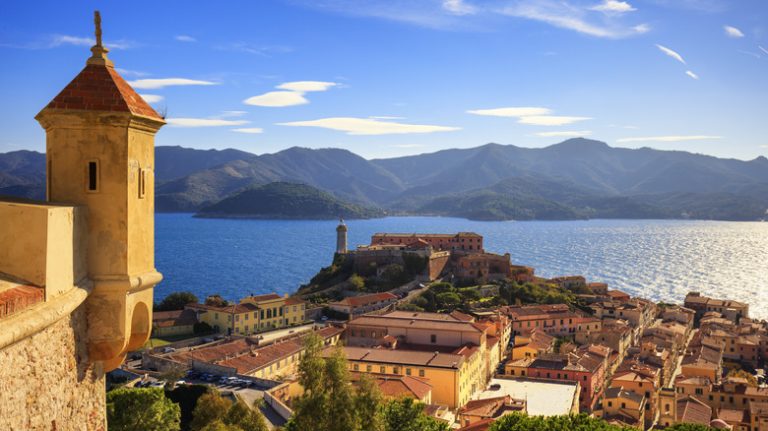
(341, 237)
(100, 155)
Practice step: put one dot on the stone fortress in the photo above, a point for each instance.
(77, 272)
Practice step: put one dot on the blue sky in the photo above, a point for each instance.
(385, 78)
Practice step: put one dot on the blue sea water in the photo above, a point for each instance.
(657, 259)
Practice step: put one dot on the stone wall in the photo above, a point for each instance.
(46, 384)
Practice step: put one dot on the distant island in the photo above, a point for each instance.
(281, 200)
(576, 179)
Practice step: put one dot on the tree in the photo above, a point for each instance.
(214, 413)
(211, 407)
(357, 282)
(216, 301)
(368, 402)
(310, 408)
(172, 374)
(242, 416)
(177, 301)
(406, 414)
(751, 379)
(581, 422)
(202, 328)
(147, 409)
(689, 427)
(341, 410)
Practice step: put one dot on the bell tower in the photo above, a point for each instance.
(341, 237)
(100, 155)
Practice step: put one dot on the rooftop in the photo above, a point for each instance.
(404, 357)
(542, 398)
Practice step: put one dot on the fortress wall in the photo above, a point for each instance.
(46, 383)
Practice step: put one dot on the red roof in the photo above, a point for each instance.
(363, 300)
(101, 88)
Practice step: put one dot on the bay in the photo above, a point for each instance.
(657, 259)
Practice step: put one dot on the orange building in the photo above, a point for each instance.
(462, 241)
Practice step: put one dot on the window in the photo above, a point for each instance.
(383, 369)
(421, 373)
(395, 370)
(262, 314)
(433, 338)
(610, 403)
(408, 371)
(368, 368)
(93, 176)
(142, 183)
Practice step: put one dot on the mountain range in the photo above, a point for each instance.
(578, 178)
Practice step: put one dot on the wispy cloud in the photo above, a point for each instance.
(185, 38)
(568, 134)
(731, 31)
(671, 138)
(458, 7)
(511, 112)
(611, 7)
(277, 99)
(368, 126)
(250, 130)
(153, 84)
(691, 74)
(386, 117)
(128, 72)
(763, 49)
(534, 116)
(203, 122)
(292, 94)
(577, 18)
(306, 86)
(152, 98)
(750, 53)
(230, 114)
(671, 53)
(255, 49)
(550, 120)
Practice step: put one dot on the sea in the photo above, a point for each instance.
(657, 259)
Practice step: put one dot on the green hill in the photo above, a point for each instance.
(280, 200)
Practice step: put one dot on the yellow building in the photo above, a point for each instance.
(77, 272)
(253, 314)
(454, 377)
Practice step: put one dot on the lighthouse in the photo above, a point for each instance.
(341, 237)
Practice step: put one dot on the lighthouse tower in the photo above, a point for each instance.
(341, 237)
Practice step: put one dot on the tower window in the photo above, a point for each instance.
(93, 176)
(142, 183)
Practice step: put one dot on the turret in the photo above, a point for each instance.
(341, 237)
(101, 156)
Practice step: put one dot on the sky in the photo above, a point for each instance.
(387, 78)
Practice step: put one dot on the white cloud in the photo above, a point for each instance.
(368, 126)
(732, 31)
(185, 38)
(153, 84)
(277, 99)
(550, 120)
(571, 17)
(671, 53)
(251, 130)
(152, 98)
(128, 72)
(458, 7)
(672, 138)
(691, 74)
(64, 39)
(570, 134)
(750, 53)
(386, 117)
(292, 96)
(511, 111)
(613, 7)
(763, 49)
(306, 86)
(230, 114)
(203, 122)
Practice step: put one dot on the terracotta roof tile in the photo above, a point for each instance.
(101, 88)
